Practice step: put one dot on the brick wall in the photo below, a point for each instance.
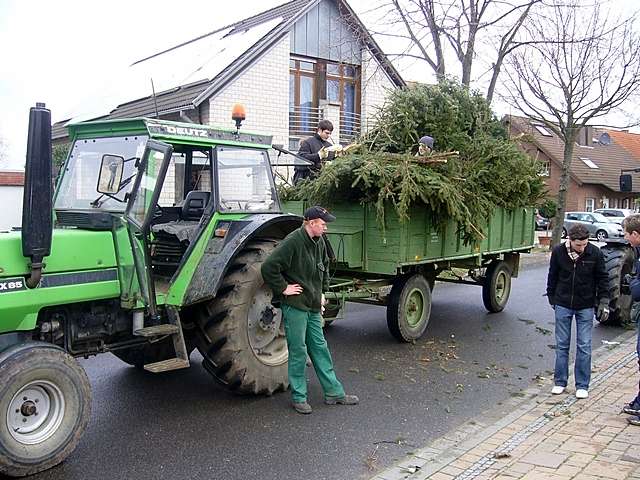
(376, 86)
(264, 91)
(11, 178)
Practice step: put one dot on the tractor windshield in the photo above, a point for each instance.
(78, 188)
(245, 182)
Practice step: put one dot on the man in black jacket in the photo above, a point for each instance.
(314, 149)
(577, 282)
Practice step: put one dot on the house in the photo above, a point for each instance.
(594, 177)
(290, 67)
(11, 187)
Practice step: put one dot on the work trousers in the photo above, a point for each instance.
(304, 336)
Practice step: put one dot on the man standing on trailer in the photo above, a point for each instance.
(314, 149)
(298, 273)
(577, 282)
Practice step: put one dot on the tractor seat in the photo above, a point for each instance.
(192, 210)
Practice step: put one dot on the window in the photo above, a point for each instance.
(625, 203)
(589, 163)
(590, 204)
(312, 80)
(605, 202)
(544, 168)
(543, 130)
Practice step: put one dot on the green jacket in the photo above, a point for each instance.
(298, 259)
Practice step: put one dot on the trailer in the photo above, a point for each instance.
(396, 263)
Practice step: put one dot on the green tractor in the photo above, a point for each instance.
(150, 247)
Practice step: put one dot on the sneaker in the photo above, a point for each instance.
(302, 407)
(632, 408)
(582, 393)
(346, 400)
(557, 390)
(634, 421)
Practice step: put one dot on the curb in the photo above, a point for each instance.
(438, 454)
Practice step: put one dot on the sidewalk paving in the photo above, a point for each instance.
(544, 437)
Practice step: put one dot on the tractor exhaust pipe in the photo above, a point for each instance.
(37, 216)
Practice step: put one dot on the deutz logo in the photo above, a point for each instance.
(191, 132)
(11, 285)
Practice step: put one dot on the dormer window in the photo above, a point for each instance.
(589, 163)
(543, 130)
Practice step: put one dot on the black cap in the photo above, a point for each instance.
(317, 211)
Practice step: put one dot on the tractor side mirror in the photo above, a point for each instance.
(110, 177)
(626, 183)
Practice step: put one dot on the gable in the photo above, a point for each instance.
(322, 33)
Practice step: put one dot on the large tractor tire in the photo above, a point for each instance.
(242, 335)
(409, 307)
(497, 286)
(618, 262)
(45, 405)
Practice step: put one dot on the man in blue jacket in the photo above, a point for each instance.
(631, 226)
(577, 282)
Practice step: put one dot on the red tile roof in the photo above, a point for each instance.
(10, 178)
(609, 159)
(628, 141)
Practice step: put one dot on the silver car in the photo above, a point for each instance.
(615, 214)
(599, 226)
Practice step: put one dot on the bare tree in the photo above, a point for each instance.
(584, 66)
(465, 30)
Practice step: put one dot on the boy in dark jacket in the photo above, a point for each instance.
(631, 226)
(315, 150)
(577, 282)
(298, 273)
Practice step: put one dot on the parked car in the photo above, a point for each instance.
(542, 223)
(614, 214)
(599, 226)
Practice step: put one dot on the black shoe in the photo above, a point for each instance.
(632, 408)
(346, 400)
(302, 407)
(634, 421)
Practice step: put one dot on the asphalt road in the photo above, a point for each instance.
(181, 425)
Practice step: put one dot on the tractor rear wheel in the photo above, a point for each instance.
(241, 335)
(618, 262)
(45, 405)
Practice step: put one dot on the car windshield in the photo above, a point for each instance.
(598, 217)
(78, 188)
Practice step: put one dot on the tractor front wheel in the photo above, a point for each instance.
(45, 405)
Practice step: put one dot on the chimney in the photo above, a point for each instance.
(585, 136)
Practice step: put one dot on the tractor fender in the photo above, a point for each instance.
(220, 252)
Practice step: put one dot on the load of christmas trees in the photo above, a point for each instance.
(474, 168)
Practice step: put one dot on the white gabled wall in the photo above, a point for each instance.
(376, 87)
(264, 91)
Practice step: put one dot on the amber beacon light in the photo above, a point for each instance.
(238, 114)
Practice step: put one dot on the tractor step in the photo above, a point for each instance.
(157, 330)
(173, 328)
(166, 365)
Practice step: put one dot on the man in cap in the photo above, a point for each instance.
(315, 149)
(298, 273)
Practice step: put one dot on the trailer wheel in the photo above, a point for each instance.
(45, 405)
(497, 286)
(242, 335)
(618, 262)
(409, 307)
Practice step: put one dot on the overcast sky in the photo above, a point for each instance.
(59, 52)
